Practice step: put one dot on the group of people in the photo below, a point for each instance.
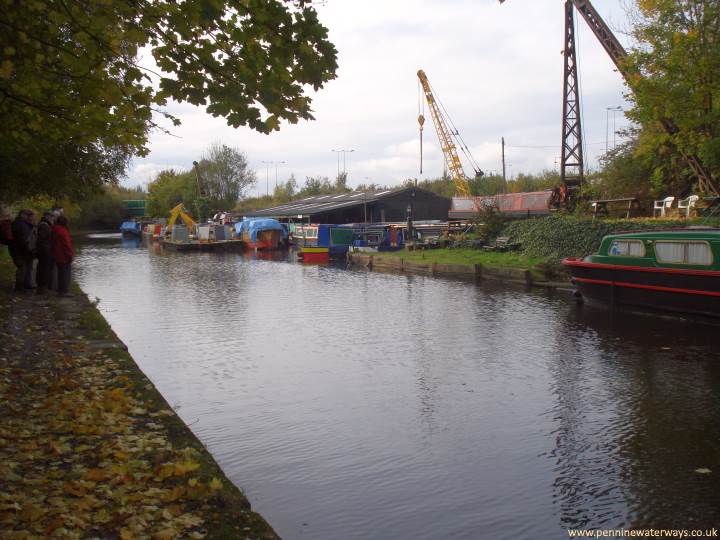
(48, 241)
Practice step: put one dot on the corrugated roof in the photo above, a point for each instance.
(320, 204)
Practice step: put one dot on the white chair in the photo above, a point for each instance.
(663, 205)
(688, 204)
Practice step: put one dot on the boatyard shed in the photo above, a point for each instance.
(360, 206)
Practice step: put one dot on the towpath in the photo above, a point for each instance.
(88, 447)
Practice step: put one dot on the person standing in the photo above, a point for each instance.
(45, 264)
(62, 252)
(21, 251)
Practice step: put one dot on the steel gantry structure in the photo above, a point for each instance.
(571, 171)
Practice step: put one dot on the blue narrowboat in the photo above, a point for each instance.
(131, 228)
(327, 241)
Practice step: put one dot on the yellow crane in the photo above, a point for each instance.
(452, 159)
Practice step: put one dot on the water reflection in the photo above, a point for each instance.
(633, 432)
(354, 404)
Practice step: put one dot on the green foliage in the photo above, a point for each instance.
(491, 184)
(321, 185)
(75, 103)
(224, 176)
(675, 75)
(285, 191)
(288, 191)
(168, 190)
(58, 169)
(107, 209)
(489, 223)
(373, 187)
(465, 256)
(487, 185)
(559, 236)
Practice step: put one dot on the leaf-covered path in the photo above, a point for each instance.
(88, 447)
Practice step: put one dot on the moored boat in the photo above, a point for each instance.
(261, 233)
(673, 270)
(131, 228)
(331, 241)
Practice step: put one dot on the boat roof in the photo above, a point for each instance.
(699, 232)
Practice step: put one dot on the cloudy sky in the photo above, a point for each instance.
(497, 69)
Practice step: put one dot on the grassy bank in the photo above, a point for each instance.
(467, 256)
(544, 242)
(541, 268)
(88, 446)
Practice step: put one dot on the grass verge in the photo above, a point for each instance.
(541, 268)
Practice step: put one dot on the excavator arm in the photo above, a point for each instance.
(179, 212)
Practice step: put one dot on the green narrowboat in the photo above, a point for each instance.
(676, 270)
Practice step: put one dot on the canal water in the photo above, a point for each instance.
(352, 404)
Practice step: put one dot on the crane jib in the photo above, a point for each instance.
(617, 54)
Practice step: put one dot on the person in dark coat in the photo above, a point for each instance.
(62, 252)
(22, 227)
(43, 250)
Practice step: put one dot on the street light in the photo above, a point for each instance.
(344, 152)
(607, 124)
(267, 176)
(276, 165)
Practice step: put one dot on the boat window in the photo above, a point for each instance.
(697, 253)
(627, 248)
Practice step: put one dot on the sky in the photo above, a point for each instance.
(496, 68)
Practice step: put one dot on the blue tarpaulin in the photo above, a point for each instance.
(130, 227)
(253, 225)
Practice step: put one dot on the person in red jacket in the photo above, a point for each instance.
(62, 251)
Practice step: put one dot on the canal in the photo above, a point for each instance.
(352, 404)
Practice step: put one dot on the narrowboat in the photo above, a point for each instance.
(329, 242)
(304, 234)
(261, 233)
(673, 270)
(131, 228)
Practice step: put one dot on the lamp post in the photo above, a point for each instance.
(267, 176)
(607, 124)
(344, 152)
(276, 167)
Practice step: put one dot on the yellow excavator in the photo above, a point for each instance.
(180, 212)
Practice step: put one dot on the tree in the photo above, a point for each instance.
(285, 191)
(529, 182)
(372, 187)
(107, 209)
(71, 80)
(676, 76)
(628, 171)
(341, 183)
(58, 170)
(316, 185)
(168, 189)
(224, 176)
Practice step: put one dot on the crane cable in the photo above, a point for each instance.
(421, 119)
(455, 133)
(581, 109)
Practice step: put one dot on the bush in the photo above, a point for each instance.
(558, 236)
(489, 223)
